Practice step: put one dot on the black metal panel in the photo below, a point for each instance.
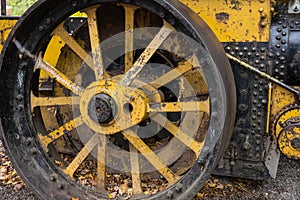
(246, 152)
(285, 45)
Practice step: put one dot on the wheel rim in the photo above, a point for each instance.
(145, 91)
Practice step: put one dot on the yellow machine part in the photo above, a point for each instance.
(285, 116)
(6, 24)
(235, 21)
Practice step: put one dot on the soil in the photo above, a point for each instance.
(286, 186)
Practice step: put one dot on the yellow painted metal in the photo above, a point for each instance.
(157, 41)
(284, 113)
(182, 68)
(129, 26)
(124, 97)
(198, 106)
(6, 24)
(101, 163)
(285, 142)
(283, 118)
(135, 170)
(81, 156)
(63, 37)
(52, 52)
(179, 134)
(54, 135)
(269, 108)
(53, 101)
(280, 99)
(95, 43)
(57, 75)
(145, 150)
(235, 21)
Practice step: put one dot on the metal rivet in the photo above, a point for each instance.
(28, 141)
(162, 14)
(170, 194)
(23, 64)
(179, 187)
(17, 136)
(52, 178)
(19, 97)
(261, 9)
(19, 108)
(33, 151)
(60, 186)
(74, 3)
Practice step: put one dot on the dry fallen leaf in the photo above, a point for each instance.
(18, 186)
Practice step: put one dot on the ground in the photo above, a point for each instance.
(286, 186)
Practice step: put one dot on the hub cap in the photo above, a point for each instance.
(102, 108)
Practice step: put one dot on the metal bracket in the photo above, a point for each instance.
(272, 158)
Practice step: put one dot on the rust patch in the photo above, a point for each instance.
(222, 17)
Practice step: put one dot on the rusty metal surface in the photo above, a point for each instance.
(235, 21)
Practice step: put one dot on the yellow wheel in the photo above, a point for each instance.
(133, 99)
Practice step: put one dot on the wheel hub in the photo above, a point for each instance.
(108, 107)
(102, 108)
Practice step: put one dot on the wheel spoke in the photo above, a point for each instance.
(147, 54)
(176, 132)
(53, 101)
(95, 43)
(145, 150)
(101, 157)
(182, 68)
(58, 76)
(135, 170)
(200, 106)
(47, 139)
(81, 156)
(73, 44)
(129, 26)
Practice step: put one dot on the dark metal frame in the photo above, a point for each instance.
(3, 7)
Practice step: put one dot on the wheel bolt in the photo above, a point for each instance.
(179, 187)
(170, 194)
(52, 178)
